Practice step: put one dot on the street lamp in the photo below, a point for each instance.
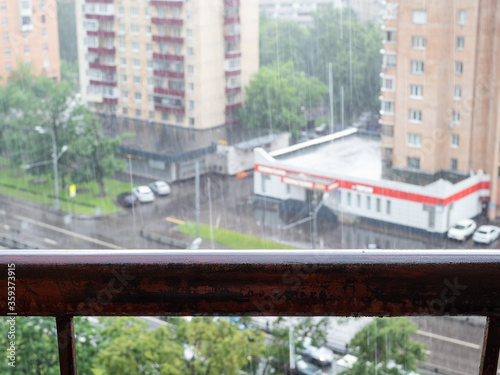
(55, 158)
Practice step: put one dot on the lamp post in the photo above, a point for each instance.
(55, 158)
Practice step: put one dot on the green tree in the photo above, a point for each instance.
(278, 349)
(283, 41)
(385, 347)
(277, 97)
(36, 345)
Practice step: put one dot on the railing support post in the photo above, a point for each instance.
(66, 344)
(491, 347)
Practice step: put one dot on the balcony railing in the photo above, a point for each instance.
(102, 50)
(230, 20)
(162, 91)
(100, 17)
(233, 107)
(168, 74)
(103, 83)
(166, 21)
(102, 33)
(111, 68)
(72, 283)
(170, 109)
(232, 73)
(166, 56)
(159, 3)
(168, 39)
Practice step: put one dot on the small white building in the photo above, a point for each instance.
(348, 165)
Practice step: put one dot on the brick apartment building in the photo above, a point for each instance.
(439, 101)
(180, 63)
(29, 34)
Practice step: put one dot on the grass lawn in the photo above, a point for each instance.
(16, 183)
(231, 239)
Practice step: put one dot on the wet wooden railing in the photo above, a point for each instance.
(64, 284)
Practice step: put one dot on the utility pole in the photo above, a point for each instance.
(315, 218)
(197, 183)
(330, 79)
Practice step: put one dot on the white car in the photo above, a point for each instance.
(486, 234)
(160, 187)
(462, 230)
(143, 194)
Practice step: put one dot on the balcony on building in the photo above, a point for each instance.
(232, 3)
(97, 65)
(232, 73)
(168, 39)
(167, 56)
(100, 17)
(169, 92)
(167, 21)
(233, 90)
(169, 104)
(230, 20)
(101, 33)
(108, 80)
(168, 74)
(232, 38)
(100, 1)
(171, 3)
(233, 107)
(102, 50)
(233, 54)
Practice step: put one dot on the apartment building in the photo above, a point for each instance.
(180, 62)
(29, 34)
(302, 11)
(439, 88)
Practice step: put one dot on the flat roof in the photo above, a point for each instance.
(353, 154)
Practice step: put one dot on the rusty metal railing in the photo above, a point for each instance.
(64, 284)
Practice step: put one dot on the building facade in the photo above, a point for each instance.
(180, 62)
(29, 34)
(302, 11)
(439, 88)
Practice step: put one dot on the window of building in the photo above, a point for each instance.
(137, 80)
(26, 50)
(415, 115)
(137, 64)
(457, 92)
(124, 78)
(134, 12)
(123, 61)
(44, 33)
(419, 17)
(137, 96)
(151, 115)
(390, 36)
(413, 163)
(456, 117)
(191, 86)
(149, 47)
(455, 139)
(43, 18)
(148, 30)
(178, 49)
(5, 23)
(150, 98)
(135, 29)
(8, 67)
(191, 105)
(387, 107)
(416, 91)
(358, 200)
(46, 63)
(378, 204)
(125, 111)
(191, 122)
(122, 45)
(178, 119)
(42, 4)
(459, 68)
(3, 5)
(418, 42)
(417, 67)
(462, 17)
(138, 113)
(389, 60)
(189, 33)
(147, 12)
(149, 64)
(121, 29)
(124, 94)
(454, 164)
(151, 81)
(388, 83)
(189, 15)
(121, 11)
(6, 37)
(391, 11)
(460, 42)
(348, 198)
(177, 32)
(135, 46)
(368, 202)
(164, 116)
(45, 47)
(7, 52)
(388, 207)
(414, 140)
(190, 51)
(190, 69)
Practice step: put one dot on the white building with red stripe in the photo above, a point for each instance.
(348, 165)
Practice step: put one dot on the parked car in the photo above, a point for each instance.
(306, 368)
(126, 199)
(160, 187)
(321, 357)
(462, 230)
(486, 234)
(143, 194)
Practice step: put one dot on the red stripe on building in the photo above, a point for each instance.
(386, 192)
